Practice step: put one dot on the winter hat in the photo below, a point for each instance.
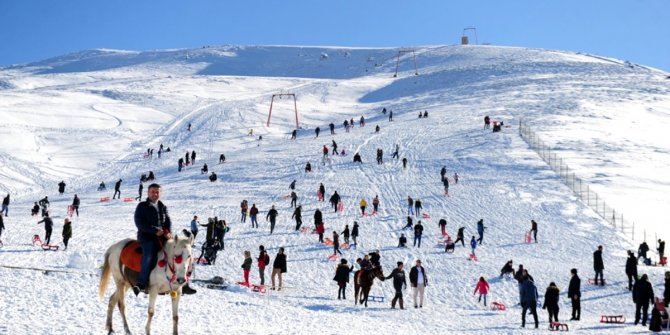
(343, 261)
(573, 271)
(399, 263)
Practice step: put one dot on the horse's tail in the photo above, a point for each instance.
(104, 278)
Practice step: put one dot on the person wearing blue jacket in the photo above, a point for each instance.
(473, 244)
(153, 229)
(528, 295)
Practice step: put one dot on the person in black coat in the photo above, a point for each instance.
(631, 269)
(418, 231)
(75, 204)
(399, 281)
(598, 266)
(507, 268)
(533, 229)
(153, 223)
(318, 218)
(459, 236)
(575, 295)
(297, 215)
(342, 278)
(642, 251)
(334, 200)
(317, 131)
(117, 189)
(48, 228)
(354, 232)
(551, 297)
(643, 295)
(272, 216)
(528, 293)
(666, 289)
(402, 241)
(279, 267)
(61, 187)
(661, 249)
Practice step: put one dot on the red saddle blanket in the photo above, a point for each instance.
(131, 256)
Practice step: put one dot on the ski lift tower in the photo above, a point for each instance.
(464, 39)
(397, 61)
(295, 106)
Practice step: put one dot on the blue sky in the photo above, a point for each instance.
(638, 31)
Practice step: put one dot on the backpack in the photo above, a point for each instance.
(267, 259)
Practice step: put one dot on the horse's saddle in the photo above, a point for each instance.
(131, 256)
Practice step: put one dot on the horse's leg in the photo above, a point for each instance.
(122, 305)
(153, 293)
(175, 314)
(366, 292)
(110, 311)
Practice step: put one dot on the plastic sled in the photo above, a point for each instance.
(592, 281)
(375, 298)
(327, 241)
(426, 216)
(128, 199)
(332, 257)
(612, 319)
(104, 199)
(49, 247)
(473, 257)
(557, 326)
(497, 306)
(37, 239)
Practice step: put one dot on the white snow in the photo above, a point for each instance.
(90, 116)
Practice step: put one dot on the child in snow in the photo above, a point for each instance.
(246, 266)
(483, 289)
(67, 232)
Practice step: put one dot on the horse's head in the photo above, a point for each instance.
(179, 255)
(378, 272)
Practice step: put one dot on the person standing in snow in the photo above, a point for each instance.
(551, 297)
(317, 131)
(253, 213)
(483, 289)
(396, 152)
(318, 218)
(575, 295)
(528, 293)
(660, 249)
(417, 207)
(598, 265)
(117, 189)
(346, 125)
(246, 267)
(194, 227)
(473, 245)
(272, 216)
(75, 204)
(193, 157)
(487, 122)
(402, 241)
(445, 182)
(294, 133)
(480, 231)
(375, 204)
(48, 228)
(67, 232)
(244, 207)
(443, 172)
(410, 206)
(418, 232)
(336, 243)
(294, 199)
(361, 123)
(279, 268)
(459, 236)
(354, 233)
(297, 215)
(44, 203)
(631, 269)
(455, 178)
(419, 281)
(643, 295)
(399, 281)
(320, 229)
(345, 233)
(222, 159)
(363, 204)
(332, 128)
(5, 205)
(139, 191)
(404, 163)
(61, 187)
(321, 194)
(334, 145)
(2, 226)
(533, 229)
(334, 200)
(342, 278)
(180, 164)
(443, 226)
(380, 156)
(262, 260)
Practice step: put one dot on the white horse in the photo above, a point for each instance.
(168, 277)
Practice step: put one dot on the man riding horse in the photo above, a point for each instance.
(153, 229)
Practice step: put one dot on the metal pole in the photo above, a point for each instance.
(270, 113)
(295, 107)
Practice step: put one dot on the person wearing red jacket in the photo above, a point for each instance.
(320, 229)
(483, 289)
(253, 212)
(325, 151)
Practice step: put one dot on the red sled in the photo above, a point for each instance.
(258, 288)
(663, 261)
(70, 210)
(473, 257)
(128, 200)
(612, 319)
(426, 216)
(332, 257)
(319, 196)
(497, 306)
(528, 237)
(305, 230)
(104, 199)
(557, 326)
(592, 281)
(340, 206)
(327, 241)
(344, 246)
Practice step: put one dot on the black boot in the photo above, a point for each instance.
(402, 306)
(187, 290)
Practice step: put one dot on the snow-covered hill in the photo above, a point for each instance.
(91, 116)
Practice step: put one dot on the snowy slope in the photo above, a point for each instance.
(90, 116)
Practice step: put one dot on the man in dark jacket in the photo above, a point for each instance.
(342, 278)
(661, 249)
(417, 207)
(399, 281)
(642, 251)
(528, 293)
(117, 189)
(575, 295)
(61, 187)
(44, 204)
(294, 199)
(480, 231)
(418, 231)
(279, 267)
(419, 281)
(334, 200)
(75, 204)
(459, 236)
(272, 216)
(533, 229)
(551, 297)
(354, 233)
(443, 226)
(631, 269)
(643, 295)
(48, 228)
(153, 228)
(253, 213)
(318, 218)
(140, 189)
(598, 266)
(297, 215)
(5, 205)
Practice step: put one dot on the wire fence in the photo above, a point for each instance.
(579, 187)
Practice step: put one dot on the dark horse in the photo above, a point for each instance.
(364, 281)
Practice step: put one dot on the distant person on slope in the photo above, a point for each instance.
(551, 297)
(117, 189)
(48, 228)
(67, 232)
(598, 265)
(75, 204)
(5, 205)
(631, 269)
(61, 187)
(342, 278)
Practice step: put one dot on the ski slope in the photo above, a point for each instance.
(90, 116)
